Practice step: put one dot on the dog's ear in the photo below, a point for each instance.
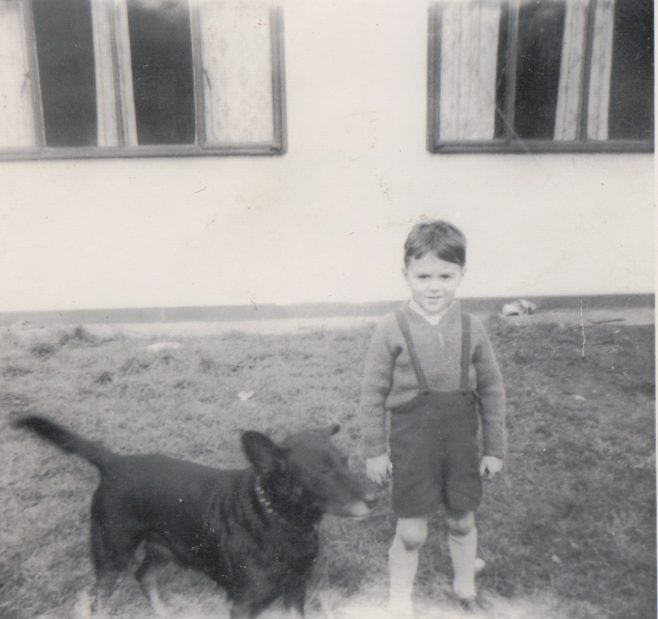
(263, 453)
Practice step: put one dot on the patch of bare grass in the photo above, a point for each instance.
(568, 530)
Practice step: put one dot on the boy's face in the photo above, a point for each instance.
(433, 282)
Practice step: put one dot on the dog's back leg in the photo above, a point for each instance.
(112, 550)
(156, 558)
(107, 571)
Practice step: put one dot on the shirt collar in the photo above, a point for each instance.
(433, 319)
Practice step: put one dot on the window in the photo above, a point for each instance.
(89, 78)
(540, 75)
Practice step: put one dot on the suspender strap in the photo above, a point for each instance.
(404, 327)
(465, 351)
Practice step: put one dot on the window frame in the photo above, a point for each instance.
(508, 143)
(278, 145)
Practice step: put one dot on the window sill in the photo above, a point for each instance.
(542, 146)
(255, 149)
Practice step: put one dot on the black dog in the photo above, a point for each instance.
(253, 531)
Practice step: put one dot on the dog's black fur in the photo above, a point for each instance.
(253, 531)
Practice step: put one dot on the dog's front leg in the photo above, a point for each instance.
(294, 600)
(240, 611)
(252, 602)
(107, 581)
(295, 613)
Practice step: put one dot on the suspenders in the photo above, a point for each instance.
(465, 351)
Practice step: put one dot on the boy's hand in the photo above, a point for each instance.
(489, 466)
(379, 469)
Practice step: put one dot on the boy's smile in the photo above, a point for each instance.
(433, 282)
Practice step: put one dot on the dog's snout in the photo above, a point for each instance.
(370, 499)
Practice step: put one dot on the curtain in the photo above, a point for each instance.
(571, 71)
(467, 73)
(114, 89)
(469, 44)
(601, 70)
(124, 73)
(106, 95)
(236, 52)
(17, 124)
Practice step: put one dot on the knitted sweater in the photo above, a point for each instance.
(389, 378)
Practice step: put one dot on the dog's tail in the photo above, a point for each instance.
(69, 441)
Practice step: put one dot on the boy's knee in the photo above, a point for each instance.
(412, 532)
(460, 523)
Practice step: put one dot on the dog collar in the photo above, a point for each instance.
(269, 508)
(260, 493)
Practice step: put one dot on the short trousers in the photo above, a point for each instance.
(435, 455)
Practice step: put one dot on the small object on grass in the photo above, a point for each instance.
(480, 564)
(519, 307)
(580, 398)
(556, 559)
(245, 395)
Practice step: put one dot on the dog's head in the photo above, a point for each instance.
(307, 476)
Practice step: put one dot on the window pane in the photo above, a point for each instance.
(65, 53)
(541, 26)
(163, 83)
(631, 89)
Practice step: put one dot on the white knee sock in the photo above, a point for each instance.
(402, 566)
(463, 549)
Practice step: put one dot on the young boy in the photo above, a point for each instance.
(433, 368)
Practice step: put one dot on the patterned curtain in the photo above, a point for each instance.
(571, 71)
(17, 128)
(468, 69)
(599, 84)
(469, 43)
(114, 87)
(236, 50)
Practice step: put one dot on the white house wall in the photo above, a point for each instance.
(326, 221)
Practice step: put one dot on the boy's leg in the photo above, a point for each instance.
(462, 542)
(410, 535)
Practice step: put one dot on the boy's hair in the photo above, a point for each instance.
(443, 239)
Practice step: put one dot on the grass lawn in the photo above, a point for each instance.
(567, 531)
